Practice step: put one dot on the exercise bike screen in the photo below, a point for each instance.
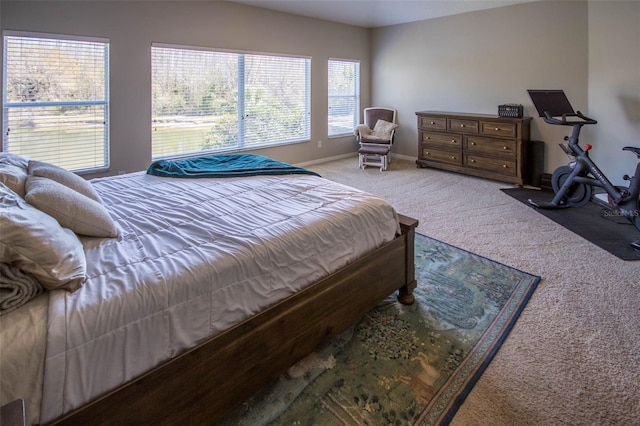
(555, 102)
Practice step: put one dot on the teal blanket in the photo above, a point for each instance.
(229, 165)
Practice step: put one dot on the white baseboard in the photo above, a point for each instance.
(327, 159)
(349, 155)
(405, 157)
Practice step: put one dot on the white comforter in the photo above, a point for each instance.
(195, 256)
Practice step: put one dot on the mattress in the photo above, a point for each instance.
(193, 258)
(23, 339)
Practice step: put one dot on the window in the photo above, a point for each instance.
(207, 100)
(344, 96)
(56, 100)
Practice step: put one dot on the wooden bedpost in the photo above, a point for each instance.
(405, 294)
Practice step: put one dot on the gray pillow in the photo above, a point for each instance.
(36, 244)
(64, 177)
(71, 209)
(14, 177)
(14, 160)
(383, 129)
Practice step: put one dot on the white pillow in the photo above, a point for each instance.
(13, 171)
(71, 209)
(64, 177)
(36, 244)
(14, 177)
(14, 160)
(383, 129)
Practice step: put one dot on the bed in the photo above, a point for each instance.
(228, 283)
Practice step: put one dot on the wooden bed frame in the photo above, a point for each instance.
(205, 383)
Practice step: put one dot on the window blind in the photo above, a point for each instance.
(56, 100)
(344, 96)
(205, 100)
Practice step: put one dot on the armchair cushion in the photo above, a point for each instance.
(383, 129)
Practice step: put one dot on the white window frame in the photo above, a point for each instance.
(341, 120)
(55, 151)
(241, 141)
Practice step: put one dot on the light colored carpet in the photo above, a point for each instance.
(573, 357)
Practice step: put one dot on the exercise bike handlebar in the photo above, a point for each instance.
(548, 118)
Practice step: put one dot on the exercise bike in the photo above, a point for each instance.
(573, 184)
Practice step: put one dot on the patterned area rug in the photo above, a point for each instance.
(404, 365)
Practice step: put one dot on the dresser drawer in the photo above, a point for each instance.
(494, 165)
(433, 123)
(498, 129)
(444, 140)
(463, 126)
(504, 148)
(441, 156)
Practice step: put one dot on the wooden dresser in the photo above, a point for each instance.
(487, 146)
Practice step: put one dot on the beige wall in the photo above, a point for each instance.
(132, 27)
(475, 61)
(614, 85)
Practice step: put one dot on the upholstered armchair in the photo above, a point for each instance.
(375, 137)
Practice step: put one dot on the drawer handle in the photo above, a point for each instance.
(453, 141)
(473, 161)
(505, 166)
(473, 143)
(426, 153)
(453, 157)
(432, 122)
(497, 129)
(462, 125)
(427, 137)
(505, 148)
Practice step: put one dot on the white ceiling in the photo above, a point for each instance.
(377, 13)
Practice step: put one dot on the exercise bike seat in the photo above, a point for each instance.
(634, 149)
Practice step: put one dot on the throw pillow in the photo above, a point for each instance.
(14, 160)
(72, 209)
(64, 177)
(36, 244)
(383, 129)
(14, 177)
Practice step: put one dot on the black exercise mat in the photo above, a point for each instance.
(593, 222)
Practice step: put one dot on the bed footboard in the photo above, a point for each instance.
(203, 384)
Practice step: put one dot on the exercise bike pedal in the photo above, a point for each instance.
(546, 205)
